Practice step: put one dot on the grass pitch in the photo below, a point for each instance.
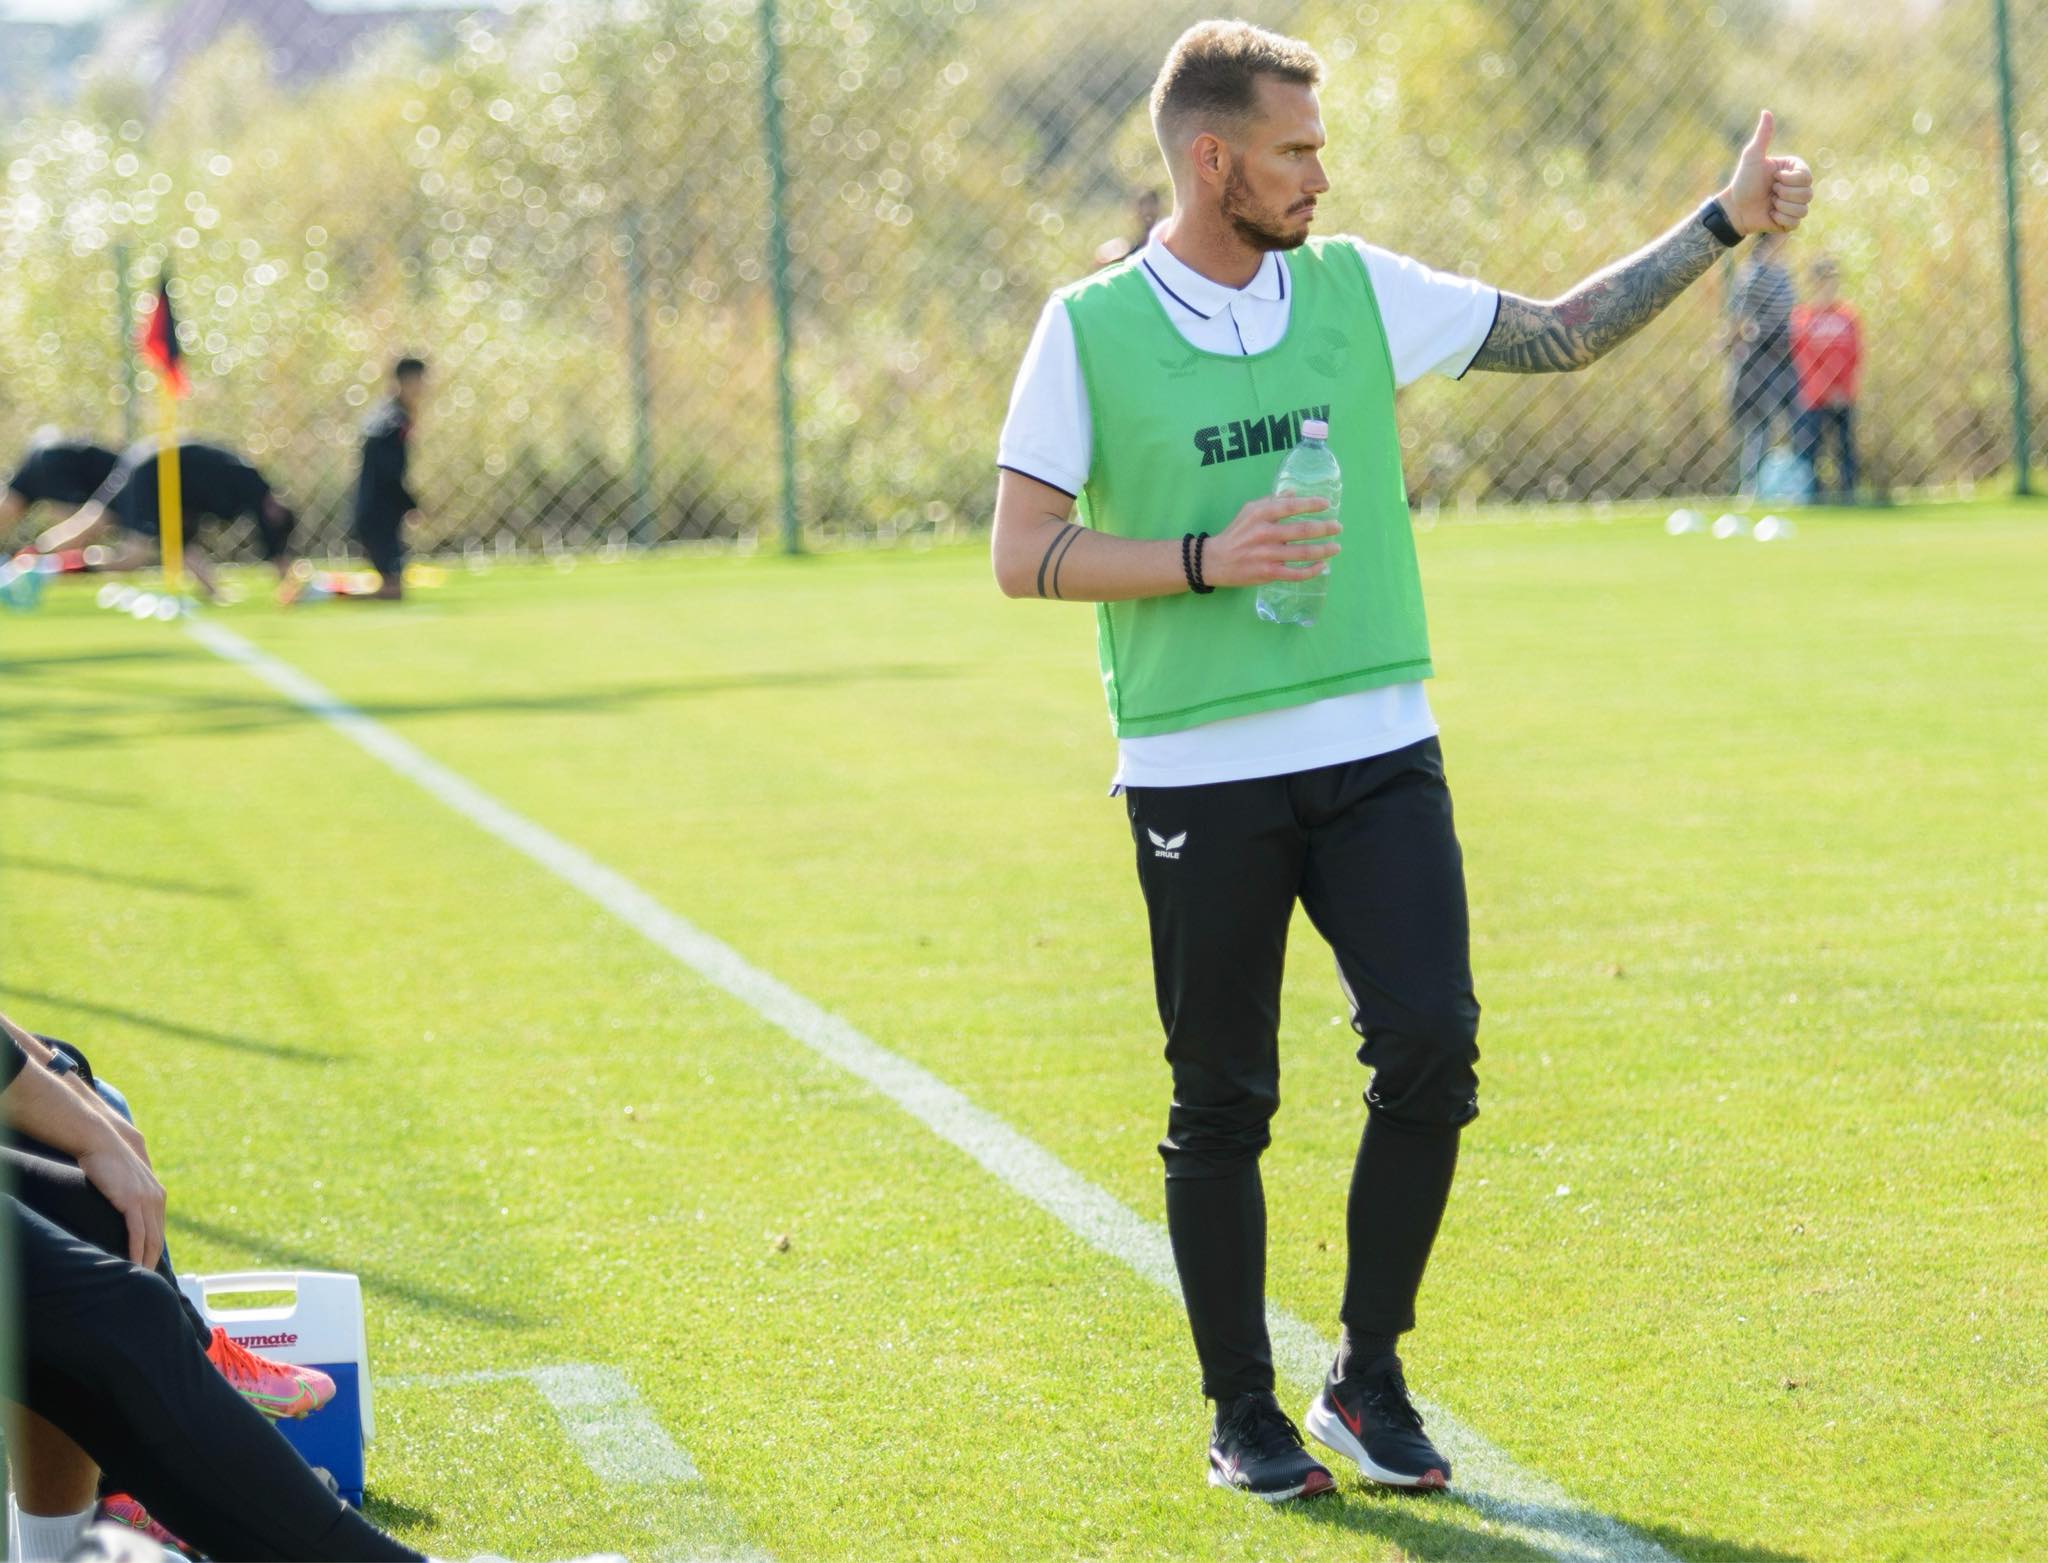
(1746, 1246)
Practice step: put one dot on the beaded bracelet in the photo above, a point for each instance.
(1201, 586)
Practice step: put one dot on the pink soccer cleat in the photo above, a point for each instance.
(124, 1510)
(277, 1389)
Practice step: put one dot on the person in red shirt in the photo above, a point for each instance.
(1827, 346)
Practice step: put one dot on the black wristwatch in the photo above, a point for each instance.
(1714, 219)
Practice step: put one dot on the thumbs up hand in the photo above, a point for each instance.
(1768, 194)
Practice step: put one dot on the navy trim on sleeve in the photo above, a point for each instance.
(12, 1062)
(1004, 466)
(1485, 339)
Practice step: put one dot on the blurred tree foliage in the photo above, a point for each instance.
(507, 204)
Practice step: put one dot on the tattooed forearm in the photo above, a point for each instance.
(1064, 535)
(1602, 312)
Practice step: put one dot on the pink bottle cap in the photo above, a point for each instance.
(1314, 429)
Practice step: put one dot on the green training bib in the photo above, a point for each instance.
(1184, 438)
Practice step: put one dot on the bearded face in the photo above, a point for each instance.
(1276, 225)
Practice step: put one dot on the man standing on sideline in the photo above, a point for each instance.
(383, 502)
(1827, 345)
(1763, 386)
(1265, 763)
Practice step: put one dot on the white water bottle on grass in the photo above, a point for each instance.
(1309, 472)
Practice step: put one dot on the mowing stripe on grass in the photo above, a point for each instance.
(1520, 1502)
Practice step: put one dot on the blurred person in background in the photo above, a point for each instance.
(215, 485)
(1827, 346)
(58, 471)
(1144, 218)
(1763, 385)
(383, 502)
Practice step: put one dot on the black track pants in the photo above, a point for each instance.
(1370, 851)
(381, 531)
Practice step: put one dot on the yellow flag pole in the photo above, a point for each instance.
(170, 496)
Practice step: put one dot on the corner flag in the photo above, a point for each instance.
(158, 341)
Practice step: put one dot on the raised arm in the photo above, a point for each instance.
(1767, 195)
(1041, 551)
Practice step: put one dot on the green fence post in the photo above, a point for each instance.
(2022, 459)
(124, 341)
(636, 352)
(778, 265)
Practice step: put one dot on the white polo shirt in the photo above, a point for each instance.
(1435, 323)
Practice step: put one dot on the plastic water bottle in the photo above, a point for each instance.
(1309, 472)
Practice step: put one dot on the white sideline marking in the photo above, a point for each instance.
(1523, 1504)
(600, 1413)
(612, 1429)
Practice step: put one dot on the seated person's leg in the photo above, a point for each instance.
(54, 1485)
(111, 1362)
(50, 1184)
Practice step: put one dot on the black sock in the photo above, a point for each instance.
(1359, 1350)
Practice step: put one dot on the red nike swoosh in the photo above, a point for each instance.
(1356, 1424)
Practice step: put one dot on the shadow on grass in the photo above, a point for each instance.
(1438, 1528)
(107, 876)
(171, 1028)
(389, 1514)
(215, 715)
(1696, 1548)
(1431, 1528)
(284, 1256)
(97, 797)
(35, 665)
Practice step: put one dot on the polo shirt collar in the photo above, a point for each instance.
(1202, 296)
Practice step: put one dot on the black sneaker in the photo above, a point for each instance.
(1257, 1450)
(1367, 1417)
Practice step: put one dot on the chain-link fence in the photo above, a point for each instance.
(580, 214)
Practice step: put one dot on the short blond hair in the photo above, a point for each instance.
(1211, 76)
